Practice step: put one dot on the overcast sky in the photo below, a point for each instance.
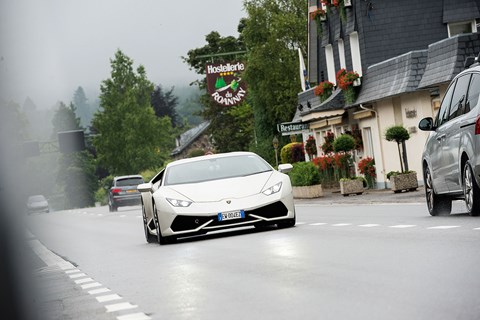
(50, 47)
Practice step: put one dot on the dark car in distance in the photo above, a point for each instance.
(124, 192)
(451, 157)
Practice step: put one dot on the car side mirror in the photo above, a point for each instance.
(285, 167)
(145, 187)
(426, 124)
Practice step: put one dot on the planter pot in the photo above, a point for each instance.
(405, 181)
(348, 187)
(308, 192)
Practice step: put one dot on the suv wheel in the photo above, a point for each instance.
(471, 191)
(437, 204)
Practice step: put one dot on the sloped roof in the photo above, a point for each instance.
(446, 58)
(394, 76)
(459, 10)
(189, 136)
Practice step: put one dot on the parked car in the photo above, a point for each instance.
(213, 192)
(37, 203)
(124, 192)
(451, 157)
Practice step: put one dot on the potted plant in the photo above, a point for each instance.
(319, 16)
(305, 180)
(324, 90)
(350, 186)
(406, 179)
(311, 147)
(366, 167)
(347, 80)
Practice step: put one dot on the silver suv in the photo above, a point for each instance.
(451, 157)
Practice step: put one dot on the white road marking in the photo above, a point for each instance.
(140, 217)
(403, 226)
(369, 225)
(91, 285)
(77, 275)
(72, 271)
(444, 227)
(341, 224)
(110, 297)
(300, 223)
(120, 306)
(476, 229)
(97, 291)
(134, 316)
(84, 280)
(122, 216)
(317, 224)
(100, 214)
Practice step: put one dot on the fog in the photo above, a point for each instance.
(48, 48)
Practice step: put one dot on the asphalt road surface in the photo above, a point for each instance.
(390, 261)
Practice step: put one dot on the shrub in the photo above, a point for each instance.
(366, 167)
(196, 153)
(304, 174)
(101, 196)
(311, 147)
(292, 153)
(344, 143)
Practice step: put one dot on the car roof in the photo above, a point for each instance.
(127, 177)
(210, 156)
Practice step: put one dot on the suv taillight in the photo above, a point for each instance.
(477, 125)
(116, 190)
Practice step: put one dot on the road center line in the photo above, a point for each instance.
(317, 224)
(403, 226)
(120, 306)
(341, 224)
(369, 225)
(444, 227)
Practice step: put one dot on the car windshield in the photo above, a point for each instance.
(215, 168)
(129, 182)
(36, 199)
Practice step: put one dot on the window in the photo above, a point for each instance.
(355, 52)
(341, 53)
(473, 93)
(443, 112)
(459, 95)
(461, 27)
(330, 63)
(367, 142)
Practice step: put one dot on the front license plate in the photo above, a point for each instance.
(231, 215)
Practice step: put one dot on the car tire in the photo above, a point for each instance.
(437, 204)
(471, 191)
(160, 239)
(288, 223)
(150, 238)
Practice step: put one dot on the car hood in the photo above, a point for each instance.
(216, 190)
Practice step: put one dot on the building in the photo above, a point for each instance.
(195, 139)
(405, 53)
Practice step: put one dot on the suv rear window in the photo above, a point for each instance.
(129, 182)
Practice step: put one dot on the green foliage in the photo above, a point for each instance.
(265, 150)
(130, 136)
(65, 119)
(344, 143)
(397, 133)
(272, 32)
(82, 108)
(196, 153)
(101, 195)
(304, 174)
(164, 104)
(189, 107)
(396, 173)
(292, 153)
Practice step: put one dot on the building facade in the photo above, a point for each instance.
(405, 53)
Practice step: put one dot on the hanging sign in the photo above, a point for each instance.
(225, 85)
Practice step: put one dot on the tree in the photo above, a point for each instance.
(272, 33)
(399, 134)
(65, 119)
(130, 137)
(164, 104)
(82, 107)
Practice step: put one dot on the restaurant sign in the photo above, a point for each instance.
(225, 85)
(292, 127)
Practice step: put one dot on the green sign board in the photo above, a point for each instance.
(292, 127)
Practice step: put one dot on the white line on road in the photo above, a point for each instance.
(77, 275)
(403, 226)
(122, 216)
(97, 291)
(72, 271)
(91, 285)
(84, 280)
(134, 316)
(300, 223)
(110, 297)
(317, 224)
(120, 306)
(369, 225)
(341, 224)
(476, 229)
(444, 227)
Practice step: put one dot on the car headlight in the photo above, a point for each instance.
(273, 189)
(179, 203)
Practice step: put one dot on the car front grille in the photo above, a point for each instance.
(185, 223)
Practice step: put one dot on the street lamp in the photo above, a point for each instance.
(275, 146)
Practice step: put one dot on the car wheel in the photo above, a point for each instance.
(288, 223)
(160, 239)
(437, 204)
(149, 237)
(471, 191)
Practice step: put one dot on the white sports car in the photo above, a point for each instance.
(208, 193)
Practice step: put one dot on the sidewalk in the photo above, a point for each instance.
(369, 196)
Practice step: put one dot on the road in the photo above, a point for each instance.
(340, 262)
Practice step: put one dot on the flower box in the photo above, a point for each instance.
(308, 192)
(348, 187)
(404, 181)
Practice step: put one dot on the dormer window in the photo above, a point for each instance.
(455, 28)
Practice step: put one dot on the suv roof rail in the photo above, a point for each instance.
(471, 61)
